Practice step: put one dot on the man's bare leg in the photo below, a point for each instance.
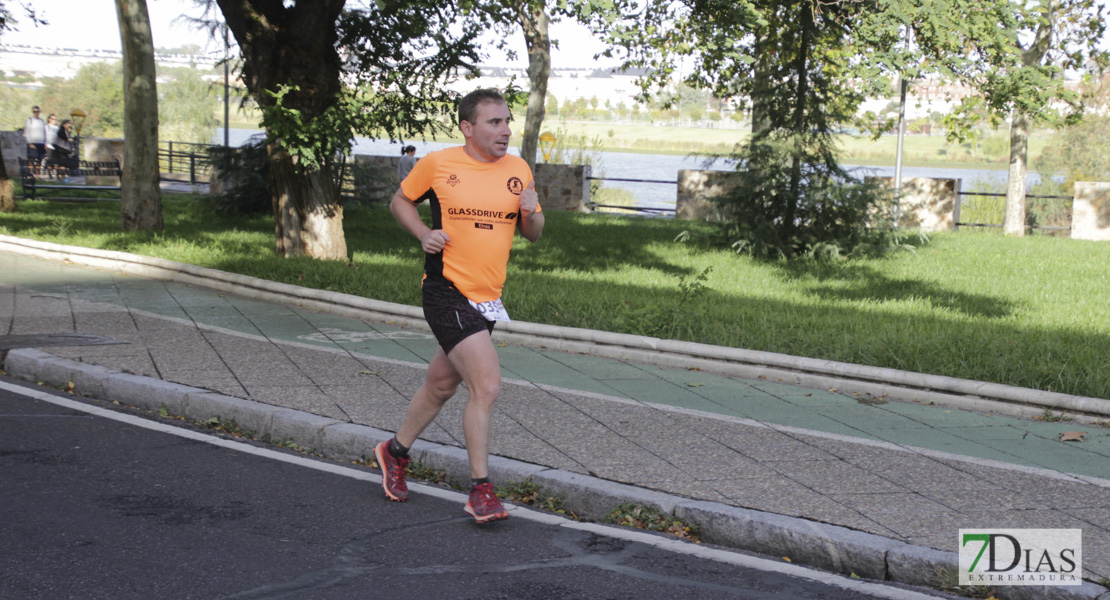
(475, 360)
(440, 383)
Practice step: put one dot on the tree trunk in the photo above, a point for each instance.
(141, 196)
(7, 190)
(308, 219)
(761, 86)
(801, 69)
(281, 44)
(1014, 221)
(534, 21)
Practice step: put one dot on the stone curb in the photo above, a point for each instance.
(830, 547)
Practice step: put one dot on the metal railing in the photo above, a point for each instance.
(1055, 218)
(637, 209)
(177, 159)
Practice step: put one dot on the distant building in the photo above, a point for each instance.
(65, 62)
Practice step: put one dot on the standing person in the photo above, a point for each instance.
(480, 196)
(63, 149)
(34, 131)
(408, 161)
(51, 137)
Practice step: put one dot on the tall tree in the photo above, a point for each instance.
(7, 190)
(1018, 69)
(806, 67)
(534, 21)
(323, 72)
(141, 194)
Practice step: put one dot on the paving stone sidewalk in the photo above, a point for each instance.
(903, 471)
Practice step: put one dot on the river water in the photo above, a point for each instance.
(664, 167)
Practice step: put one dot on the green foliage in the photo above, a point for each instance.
(15, 107)
(666, 318)
(186, 107)
(533, 494)
(1079, 153)
(651, 519)
(97, 88)
(312, 140)
(823, 212)
(581, 149)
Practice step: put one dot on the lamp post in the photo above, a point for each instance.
(547, 144)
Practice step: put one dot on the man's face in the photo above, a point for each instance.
(487, 139)
(35, 112)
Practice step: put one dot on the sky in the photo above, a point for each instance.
(92, 25)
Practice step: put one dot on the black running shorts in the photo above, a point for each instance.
(450, 314)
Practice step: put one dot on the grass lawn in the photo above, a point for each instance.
(1031, 312)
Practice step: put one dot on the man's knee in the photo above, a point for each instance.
(441, 391)
(485, 390)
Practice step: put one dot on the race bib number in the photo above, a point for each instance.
(492, 310)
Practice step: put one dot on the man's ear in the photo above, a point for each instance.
(466, 128)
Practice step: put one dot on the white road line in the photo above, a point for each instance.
(675, 545)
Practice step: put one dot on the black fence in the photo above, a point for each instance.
(1051, 214)
(185, 162)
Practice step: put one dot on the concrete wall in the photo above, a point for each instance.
(927, 204)
(1090, 217)
(14, 148)
(102, 149)
(561, 187)
(695, 188)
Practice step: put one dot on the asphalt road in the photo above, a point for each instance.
(109, 505)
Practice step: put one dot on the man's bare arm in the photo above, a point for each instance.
(431, 240)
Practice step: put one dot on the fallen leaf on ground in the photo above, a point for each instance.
(1072, 436)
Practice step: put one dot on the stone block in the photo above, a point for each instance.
(593, 498)
(303, 428)
(926, 203)
(149, 393)
(246, 414)
(1090, 218)
(810, 543)
(347, 441)
(563, 187)
(696, 190)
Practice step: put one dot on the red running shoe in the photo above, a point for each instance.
(393, 473)
(484, 506)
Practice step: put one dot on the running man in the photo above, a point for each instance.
(480, 196)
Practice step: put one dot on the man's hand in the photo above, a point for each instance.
(434, 241)
(531, 222)
(529, 199)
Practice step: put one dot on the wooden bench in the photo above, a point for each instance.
(57, 176)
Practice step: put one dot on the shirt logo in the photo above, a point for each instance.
(516, 186)
(453, 180)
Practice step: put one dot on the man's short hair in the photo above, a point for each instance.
(468, 106)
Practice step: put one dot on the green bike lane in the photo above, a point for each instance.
(993, 437)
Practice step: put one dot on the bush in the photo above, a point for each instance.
(792, 202)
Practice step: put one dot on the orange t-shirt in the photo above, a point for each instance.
(477, 205)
